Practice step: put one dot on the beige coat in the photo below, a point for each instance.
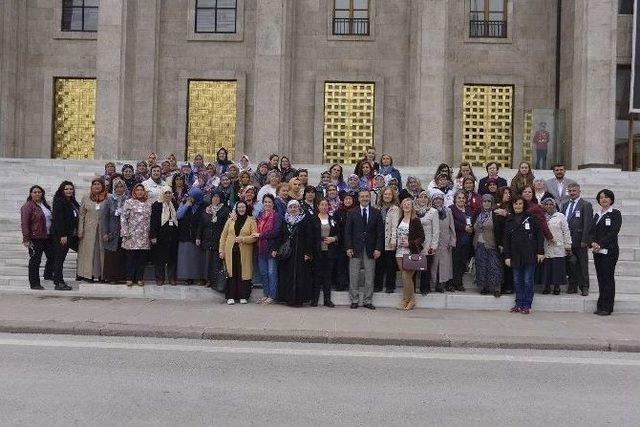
(228, 238)
(559, 227)
(88, 228)
(431, 225)
(391, 228)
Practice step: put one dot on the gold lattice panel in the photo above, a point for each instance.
(348, 121)
(211, 118)
(74, 118)
(487, 124)
(527, 136)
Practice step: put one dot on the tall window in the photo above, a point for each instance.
(80, 15)
(351, 17)
(488, 18)
(216, 16)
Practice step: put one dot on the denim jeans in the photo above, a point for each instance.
(268, 268)
(523, 285)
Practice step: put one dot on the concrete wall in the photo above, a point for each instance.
(418, 54)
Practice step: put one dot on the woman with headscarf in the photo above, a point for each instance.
(474, 201)
(428, 217)
(245, 164)
(443, 187)
(90, 253)
(179, 188)
(109, 171)
(198, 163)
(333, 198)
(222, 161)
(164, 237)
(135, 223)
(442, 265)
(142, 171)
(244, 180)
(259, 177)
(486, 240)
(236, 249)
(210, 229)
(412, 189)
(234, 174)
(273, 161)
(523, 177)
(341, 272)
(443, 169)
(227, 190)
(555, 251)
(64, 230)
(269, 224)
(353, 183)
(190, 256)
(114, 256)
(173, 163)
(294, 270)
(129, 177)
(462, 253)
(286, 169)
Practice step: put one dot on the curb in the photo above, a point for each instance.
(321, 337)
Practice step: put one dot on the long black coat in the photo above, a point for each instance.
(522, 242)
(294, 273)
(166, 234)
(64, 218)
(188, 225)
(362, 237)
(209, 232)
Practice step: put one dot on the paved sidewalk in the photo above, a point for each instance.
(214, 320)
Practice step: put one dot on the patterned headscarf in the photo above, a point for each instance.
(290, 219)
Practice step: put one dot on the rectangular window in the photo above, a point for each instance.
(80, 15)
(488, 19)
(487, 124)
(211, 120)
(351, 17)
(74, 118)
(625, 7)
(216, 16)
(348, 121)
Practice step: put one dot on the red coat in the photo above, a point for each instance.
(538, 213)
(34, 224)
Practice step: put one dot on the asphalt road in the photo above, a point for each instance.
(67, 380)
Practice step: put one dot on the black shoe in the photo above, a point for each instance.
(388, 291)
(497, 294)
(329, 304)
(48, 277)
(508, 291)
(556, 290)
(62, 288)
(313, 304)
(604, 313)
(546, 290)
(377, 289)
(354, 305)
(460, 288)
(597, 312)
(484, 291)
(369, 306)
(424, 293)
(439, 288)
(572, 290)
(450, 288)
(584, 292)
(37, 287)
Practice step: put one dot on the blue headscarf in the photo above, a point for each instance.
(196, 194)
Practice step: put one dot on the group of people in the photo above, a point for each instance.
(228, 225)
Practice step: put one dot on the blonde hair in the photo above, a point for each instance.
(394, 199)
(413, 208)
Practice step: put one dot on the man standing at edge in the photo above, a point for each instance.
(579, 214)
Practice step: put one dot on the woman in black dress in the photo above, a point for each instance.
(210, 228)
(294, 269)
(164, 237)
(324, 237)
(64, 229)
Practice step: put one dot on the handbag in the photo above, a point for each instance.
(221, 279)
(414, 262)
(284, 251)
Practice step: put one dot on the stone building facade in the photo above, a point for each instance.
(428, 60)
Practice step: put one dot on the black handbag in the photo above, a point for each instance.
(284, 251)
(221, 279)
(414, 262)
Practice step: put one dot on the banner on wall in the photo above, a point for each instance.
(634, 96)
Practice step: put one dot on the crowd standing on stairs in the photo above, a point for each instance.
(228, 225)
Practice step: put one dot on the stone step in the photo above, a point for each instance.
(459, 301)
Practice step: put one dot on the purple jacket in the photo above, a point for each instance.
(460, 222)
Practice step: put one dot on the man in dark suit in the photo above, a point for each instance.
(364, 242)
(579, 214)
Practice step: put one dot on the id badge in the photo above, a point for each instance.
(75, 213)
(97, 206)
(171, 223)
(468, 221)
(527, 226)
(578, 214)
(607, 222)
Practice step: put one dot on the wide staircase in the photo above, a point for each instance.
(17, 175)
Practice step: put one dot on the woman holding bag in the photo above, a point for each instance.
(410, 241)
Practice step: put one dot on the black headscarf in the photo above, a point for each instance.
(240, 219)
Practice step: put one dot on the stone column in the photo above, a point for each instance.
(272, 79)
(8, 76)
(426, 101)
(110, 75)
(594, 83)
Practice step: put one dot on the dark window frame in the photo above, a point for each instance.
(354, 26)
(487, 27)
(67, 5)
(215, 9)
